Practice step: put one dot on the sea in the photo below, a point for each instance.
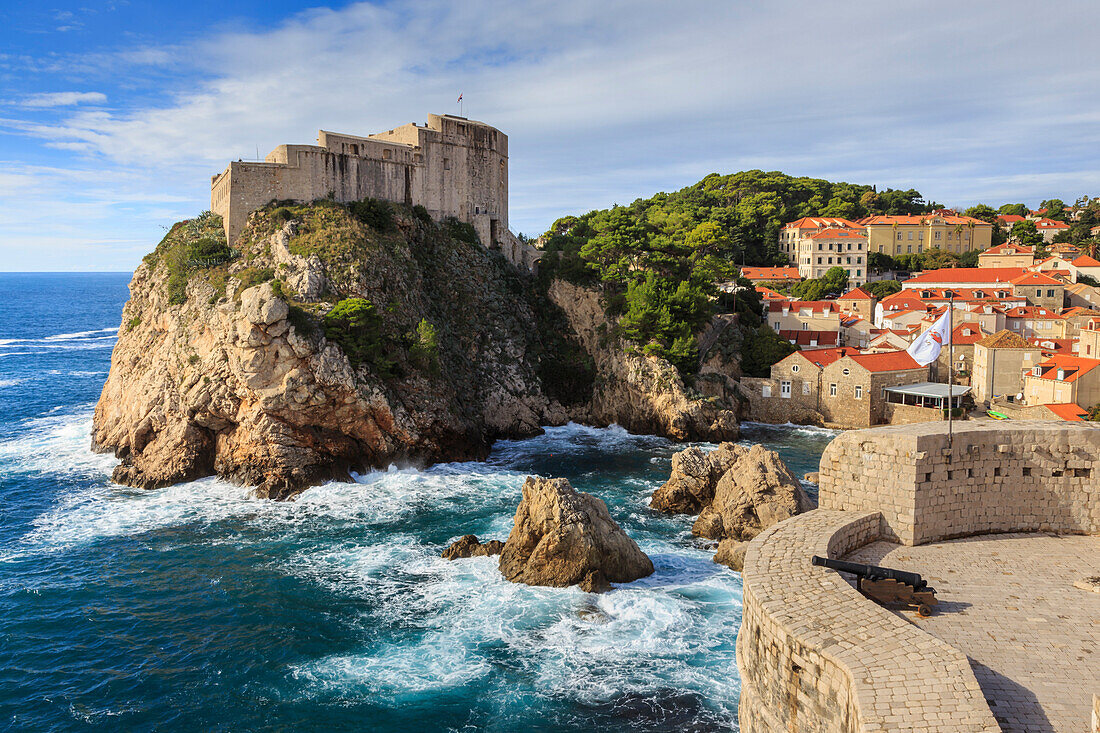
(198, 607)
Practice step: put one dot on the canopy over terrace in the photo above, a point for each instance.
(926, 394)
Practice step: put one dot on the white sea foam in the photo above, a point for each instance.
(11, 382)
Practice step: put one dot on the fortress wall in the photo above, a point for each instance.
(815, 656)
(996, 477)
(451, 167)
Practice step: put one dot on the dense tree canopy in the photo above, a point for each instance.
(658, 260)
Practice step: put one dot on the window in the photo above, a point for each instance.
(849, 261)
(830, 260)
(819, 260)
(387, 154)
(446, 164)
(899, 236)
(920, 235)
(859, 391)
(805, 388)
(832, 389)
(766, 391)
(910, 249)
(1036, 371)
(1050, 293)
(846, 371)
(859, 273)
(775, 326)
(1038, 292)
(785, 389)
(937, 235)
(795, 368)
(910, 235)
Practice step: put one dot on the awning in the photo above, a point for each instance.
(929, 389)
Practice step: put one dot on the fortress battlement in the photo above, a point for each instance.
(452, 166)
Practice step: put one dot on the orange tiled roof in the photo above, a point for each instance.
(968, 275)
(966, 333)
(811, 338)
(883, 220)
(1073, 367)
(839, 233)
(815, 306)
(1010, 218)
(1034, 278)
(769, 294)
(1010, 248)
(1068, 411)
(820, 222)
(822, 357)
(886, 361)
(856, 294)
(770, 273)
(1050, 224)
(1085, 261)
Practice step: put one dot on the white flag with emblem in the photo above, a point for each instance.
(926, 349)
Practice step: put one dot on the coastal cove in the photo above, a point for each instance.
(196, 606)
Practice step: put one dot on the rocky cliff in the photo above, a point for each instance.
(335, 338)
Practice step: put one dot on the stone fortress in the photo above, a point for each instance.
(1003, 520)
(452, 166)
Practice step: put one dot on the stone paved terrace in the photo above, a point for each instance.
(1008, 602)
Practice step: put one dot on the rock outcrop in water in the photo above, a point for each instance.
(563, 537)
(233, 361)
(470, 546)
(739, 492)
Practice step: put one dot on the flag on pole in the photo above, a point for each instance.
(926, 349)
(459, 98)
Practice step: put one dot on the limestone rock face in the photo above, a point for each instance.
(695, 474)
(470, 546)
(643, 394)
(738, 491)
(563, 537)
(215, 374)
(754, 493)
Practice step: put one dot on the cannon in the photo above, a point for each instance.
(886, 585)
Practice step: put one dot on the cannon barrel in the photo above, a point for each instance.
(872, 572)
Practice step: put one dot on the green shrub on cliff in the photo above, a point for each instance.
(356, 326)
(761, 348)
(424, 351)
(374, 213)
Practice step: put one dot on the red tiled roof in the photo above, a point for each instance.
(1010, 248)
(1055, 346)
(822, 357)
(1030, 311)
(1068, 411)
(1050, 224)
(966, 333)
(770, 273)
(886, 361)
(815, 306)
(820, 222)
(967, 275)
(811, 338)
(1010, 218)
(858, 294)
(838, 233)
(769, 294)
(920, 219)
(1034, 278)
(1074, 367)
(1085, 261)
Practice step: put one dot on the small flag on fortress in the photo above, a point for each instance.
(926, 349)
(459, 99)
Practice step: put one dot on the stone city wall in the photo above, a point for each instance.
(995, 477)
(897, 414)
(815, 656)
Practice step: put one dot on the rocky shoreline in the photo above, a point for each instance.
(234, 370)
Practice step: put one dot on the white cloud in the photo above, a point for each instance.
(63, 99)
(608, 101)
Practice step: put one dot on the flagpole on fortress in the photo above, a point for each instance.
(950, 365)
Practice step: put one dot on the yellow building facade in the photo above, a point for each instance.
(898, 235)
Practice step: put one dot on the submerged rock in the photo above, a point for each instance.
(470, 546)
(740, 491)
(563, 537)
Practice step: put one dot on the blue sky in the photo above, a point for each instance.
(113, 115)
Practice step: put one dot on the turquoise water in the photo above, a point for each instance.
(197, 607)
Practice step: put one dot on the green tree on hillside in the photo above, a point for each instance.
(1014, 210)
(1026, 233)
(1055, 209)
(881, 288)
(761, 348)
